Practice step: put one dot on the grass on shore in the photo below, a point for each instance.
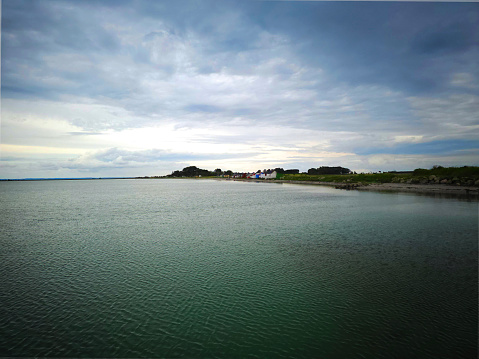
(466, 175)
(456, 175)
(363, 178)
(466, 171)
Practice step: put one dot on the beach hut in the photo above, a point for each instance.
(271, 175)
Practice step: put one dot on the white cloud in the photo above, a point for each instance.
(464, 79)
(7, 150)
(226, 90)
(408, 139)
(385, 162)
(453, 116)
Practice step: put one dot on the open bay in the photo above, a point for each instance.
(204, 269)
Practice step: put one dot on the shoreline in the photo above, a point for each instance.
(428, 189)
(446, 191)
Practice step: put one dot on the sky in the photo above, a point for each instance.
(142, 88)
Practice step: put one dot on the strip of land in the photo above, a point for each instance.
(423, 188)
(439, 189)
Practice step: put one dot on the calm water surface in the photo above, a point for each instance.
(205, 269)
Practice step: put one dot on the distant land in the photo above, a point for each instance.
(466, 176)
(64, 179)
(451, 181)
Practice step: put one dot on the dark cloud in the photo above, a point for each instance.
(35, 33)
(456, 38)
(405, 46)
(396, 44)
(352, 72)
(446, 147)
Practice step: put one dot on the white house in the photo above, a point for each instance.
(271, 175)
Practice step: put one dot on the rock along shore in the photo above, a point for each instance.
(439, 189)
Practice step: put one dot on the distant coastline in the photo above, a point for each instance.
(429, 189)
(451, 181)
(64, 179)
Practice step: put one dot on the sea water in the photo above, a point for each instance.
(165, 268)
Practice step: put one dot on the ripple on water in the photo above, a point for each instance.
(314, 275)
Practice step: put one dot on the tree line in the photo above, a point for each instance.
(193, 171)
(325, 170)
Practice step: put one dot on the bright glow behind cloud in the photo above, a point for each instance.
(143, 88)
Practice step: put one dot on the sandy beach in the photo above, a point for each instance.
(423, 188)
(427, 189)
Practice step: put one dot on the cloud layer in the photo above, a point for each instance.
(142, 88)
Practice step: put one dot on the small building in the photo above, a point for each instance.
(271, 175)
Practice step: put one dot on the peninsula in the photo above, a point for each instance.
(454, 181)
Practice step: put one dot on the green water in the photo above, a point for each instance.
(218, 269)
